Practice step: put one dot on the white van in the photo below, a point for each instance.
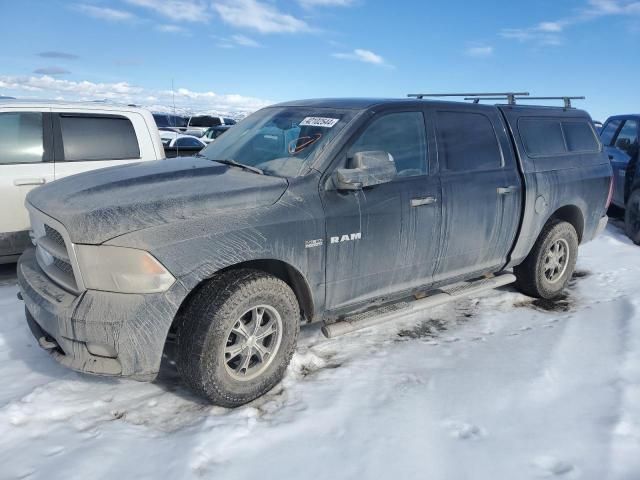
(44, 140)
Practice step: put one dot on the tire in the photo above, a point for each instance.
(211, 350)
(539, 278)
(632, 217)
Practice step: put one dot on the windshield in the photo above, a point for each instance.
(279, 140)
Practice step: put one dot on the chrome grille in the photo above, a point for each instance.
(52, 254)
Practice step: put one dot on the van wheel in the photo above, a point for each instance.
(632, 217)
(550, 264)
(236, 336)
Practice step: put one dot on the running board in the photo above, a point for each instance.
(392, 312)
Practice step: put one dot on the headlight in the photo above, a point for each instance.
(123, 270)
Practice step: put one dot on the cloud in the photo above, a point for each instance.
(259, 16)
(480, 51)
(185, 10)
(124, 92)
(549, 32)
(326, 3)
(56, 54)
(170, 28)
(105, 13)
(51, 71)
(244, 41)
(361, 55)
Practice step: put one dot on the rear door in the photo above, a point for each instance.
(621, 150)
(25, 163)
(87, 141)
(481, 191)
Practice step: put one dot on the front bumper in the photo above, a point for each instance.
(128, 330)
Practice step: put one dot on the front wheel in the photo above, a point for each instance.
(550, 264)
(236, 336)
(632, 217)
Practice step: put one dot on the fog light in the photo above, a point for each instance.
(100, 350)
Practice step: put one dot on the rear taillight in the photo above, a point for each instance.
(610, 197)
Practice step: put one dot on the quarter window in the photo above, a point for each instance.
(628, 138)
(609, 131)
(467, 142)
(86, 137)
(21, 138)
(402, 135)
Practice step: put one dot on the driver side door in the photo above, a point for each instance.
(382, 239)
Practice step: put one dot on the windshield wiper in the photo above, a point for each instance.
(229, 161)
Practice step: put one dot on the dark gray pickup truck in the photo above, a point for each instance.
(347, 212)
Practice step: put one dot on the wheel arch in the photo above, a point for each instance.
(570, 214)
(279, 269)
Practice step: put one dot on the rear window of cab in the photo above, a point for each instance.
(549, 137)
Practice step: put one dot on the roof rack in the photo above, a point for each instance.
(512, 101)
(509, 96)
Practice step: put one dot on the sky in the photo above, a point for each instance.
(240, 55)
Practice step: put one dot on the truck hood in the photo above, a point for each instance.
(102, 204)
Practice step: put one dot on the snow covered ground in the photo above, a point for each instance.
(496, 387)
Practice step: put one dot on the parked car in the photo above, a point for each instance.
(43, 141)
(179, 145)
(169, 122)
(214, 132)
(620, 137)
(199, 124)
(339, 211)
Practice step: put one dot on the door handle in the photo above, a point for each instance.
(418, 202)
(506, 190)
(19, 182)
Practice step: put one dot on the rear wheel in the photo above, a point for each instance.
(236, 336)
(632, 216)
(550, 264)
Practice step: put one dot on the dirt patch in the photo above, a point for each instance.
(560, 304)
(426, 329)
(580, 274)
(577, 276)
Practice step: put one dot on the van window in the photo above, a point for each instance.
(548, 137)
(205, 121)
(467, 142)
(21, 137)
(403, 136)
(93, 137)
(580, 137)
(609, 131)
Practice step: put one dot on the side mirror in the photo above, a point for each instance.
(367, 169)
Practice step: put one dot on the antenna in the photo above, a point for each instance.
(510, 96)
(173, 101)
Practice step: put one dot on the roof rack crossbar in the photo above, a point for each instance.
(566, 99)
(510, 96)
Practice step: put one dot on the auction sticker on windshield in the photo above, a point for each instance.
(319, 122)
